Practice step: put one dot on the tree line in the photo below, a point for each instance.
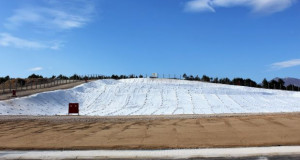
(273, 84)
(39, 78)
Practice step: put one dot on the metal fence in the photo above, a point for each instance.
(34, 84)
(158, 75)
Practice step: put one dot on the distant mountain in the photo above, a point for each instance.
(289, 80)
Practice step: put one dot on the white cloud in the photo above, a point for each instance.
(7, 40)
(53, 15)
(199, 6)
(46, 18)
(257, 6)
(286, 64)
(56, 45)
(36, 69)
(49, 18)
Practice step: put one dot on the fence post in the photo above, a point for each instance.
(16, 85)
(9, 85)
(3, 86)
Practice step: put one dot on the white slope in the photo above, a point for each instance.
(154, 97)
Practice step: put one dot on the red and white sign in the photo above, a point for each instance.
(74, 108)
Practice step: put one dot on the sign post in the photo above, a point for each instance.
(14, 93)
(73, 108)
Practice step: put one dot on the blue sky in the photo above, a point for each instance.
(224, 38)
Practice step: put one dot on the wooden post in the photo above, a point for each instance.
(9, 85)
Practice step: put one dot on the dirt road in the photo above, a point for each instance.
(149, 132)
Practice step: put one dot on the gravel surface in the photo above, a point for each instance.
(76, 118)
(148, 132)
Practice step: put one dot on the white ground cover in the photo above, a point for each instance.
(154, 97)
(155, 154)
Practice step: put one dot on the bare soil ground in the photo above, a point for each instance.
(149, 132)
(39, 90)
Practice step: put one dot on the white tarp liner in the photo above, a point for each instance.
(144, 96)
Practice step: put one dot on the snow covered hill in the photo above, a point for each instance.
(154, 97)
